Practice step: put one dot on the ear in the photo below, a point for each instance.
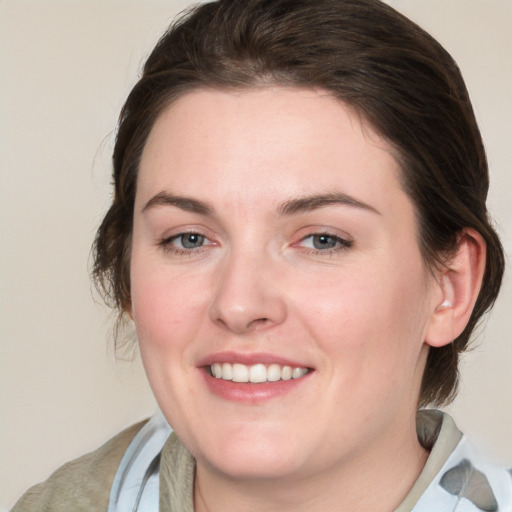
(459, 282)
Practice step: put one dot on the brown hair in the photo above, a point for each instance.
(365, 54)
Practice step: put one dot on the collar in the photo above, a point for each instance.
(454, 479)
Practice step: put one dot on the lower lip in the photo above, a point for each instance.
(248, 392)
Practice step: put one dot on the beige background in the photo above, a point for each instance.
(65, 68)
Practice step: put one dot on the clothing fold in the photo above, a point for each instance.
(121, 476)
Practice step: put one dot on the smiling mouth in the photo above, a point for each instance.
(256, 373)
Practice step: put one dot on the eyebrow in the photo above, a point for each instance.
(314, 202)
(290, 207)
(184, 203)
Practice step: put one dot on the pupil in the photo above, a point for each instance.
(192, 240)
(324, 242)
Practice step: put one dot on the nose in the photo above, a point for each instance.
(248, 295)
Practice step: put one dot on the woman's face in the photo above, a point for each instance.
(271, 237)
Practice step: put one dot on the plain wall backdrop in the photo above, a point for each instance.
(65, 70)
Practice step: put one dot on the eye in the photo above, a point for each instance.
(185, 243)
(325, 242)
(188, 240)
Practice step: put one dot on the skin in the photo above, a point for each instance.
(358, 314)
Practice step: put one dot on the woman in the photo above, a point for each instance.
(299, 233)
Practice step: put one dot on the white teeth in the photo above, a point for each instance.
(240, 373)
(217, 371)
(297, 373)
(273, 373)
(286, 373)
(227, 372)
(256, 373)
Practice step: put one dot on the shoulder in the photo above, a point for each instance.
(83, 484)
(456, 472)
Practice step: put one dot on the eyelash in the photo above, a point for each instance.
(167, 244)
(341, 244)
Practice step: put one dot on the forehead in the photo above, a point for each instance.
(264, 142)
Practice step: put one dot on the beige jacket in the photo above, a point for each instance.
(454, 478)
(82, 485)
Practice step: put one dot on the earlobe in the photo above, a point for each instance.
(460, 281)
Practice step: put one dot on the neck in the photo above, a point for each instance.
(388, 469)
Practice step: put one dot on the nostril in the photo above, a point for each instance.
(258, 322)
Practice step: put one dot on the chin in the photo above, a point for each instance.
(258, 458)
(250, 466)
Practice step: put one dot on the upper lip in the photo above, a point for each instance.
(250, 359)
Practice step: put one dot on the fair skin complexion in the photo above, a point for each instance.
(270, 229)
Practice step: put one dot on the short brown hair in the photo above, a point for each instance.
(395, 75)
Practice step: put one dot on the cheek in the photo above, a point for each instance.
(166, 325)
(164, 309)
(375, 312)
(150, 306)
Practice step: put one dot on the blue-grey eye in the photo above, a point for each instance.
(324, 241)
(190, 240)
